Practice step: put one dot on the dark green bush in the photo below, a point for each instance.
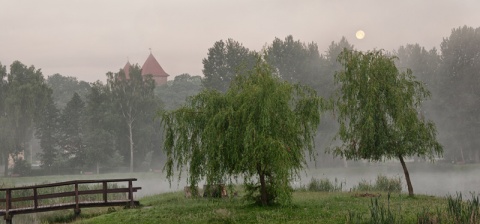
(325, 185)
(22, 168)
(382, 183)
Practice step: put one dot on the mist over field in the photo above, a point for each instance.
(86, 96)
(430, 179)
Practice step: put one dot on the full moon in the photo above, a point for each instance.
(360, 34)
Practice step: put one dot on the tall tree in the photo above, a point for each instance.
(99, 126)
(3, 88)
(425, 64)
(175, 93)
(259, 129)
(294, 61)
(47, 132)
(225, 60)
(377, 111)
(332, 53)
(461, 78)
(329, 65)
(64, 87)
(25, 94)
(5, 131)
(135, 101)
(71, 138)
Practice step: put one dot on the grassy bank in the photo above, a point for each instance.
(307, 207)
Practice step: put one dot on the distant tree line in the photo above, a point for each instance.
(451, 74)
(92, 126)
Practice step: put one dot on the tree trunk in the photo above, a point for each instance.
(263, 187)
(130, 136)
(98, 168)
(461, 153)
(407, 176)
(5, 164)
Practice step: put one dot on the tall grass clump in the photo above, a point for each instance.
(463, 211)
(427, 217)
(457, 211)
(382, 183)
(364, 185)
(379, 214)
(325, 185)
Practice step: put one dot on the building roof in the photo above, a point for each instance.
(151, 66)
(126, 69)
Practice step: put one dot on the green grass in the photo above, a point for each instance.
(307, 207)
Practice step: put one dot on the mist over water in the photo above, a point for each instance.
(157, 185)
(438, 179)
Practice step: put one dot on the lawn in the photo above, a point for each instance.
(307, 207)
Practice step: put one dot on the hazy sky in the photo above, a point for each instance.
(87, 38)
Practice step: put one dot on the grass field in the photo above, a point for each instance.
(161, 205)
(307, 207)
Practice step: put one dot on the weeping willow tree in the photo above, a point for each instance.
(260, 130)
(378, 111)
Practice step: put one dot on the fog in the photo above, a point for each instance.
(438, 179)
(86, 39)
(429, 179)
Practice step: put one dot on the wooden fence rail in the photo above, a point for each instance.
(7, 210)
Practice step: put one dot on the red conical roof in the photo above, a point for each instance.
(126, 69)
(151, 66)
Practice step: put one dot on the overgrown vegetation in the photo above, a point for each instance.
(323, 185)
(382, 183)
(22, 168)
(461, 211)
(451, 210)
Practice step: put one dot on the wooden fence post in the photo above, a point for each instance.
(35, 198)
(105, 191)
(130, 193)
(77, 206)
(8, 199)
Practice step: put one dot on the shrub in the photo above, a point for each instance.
(382, 183)
(325, 185)
(22, 167)
(363, 185)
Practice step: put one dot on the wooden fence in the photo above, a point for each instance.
(30, 197)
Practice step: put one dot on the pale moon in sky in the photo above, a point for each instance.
(360, 34)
